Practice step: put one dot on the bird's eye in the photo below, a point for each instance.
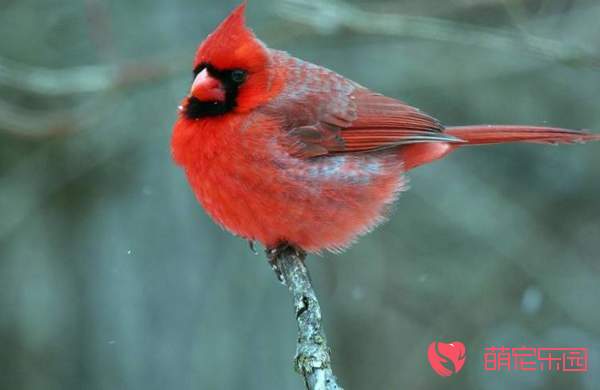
(238, 76)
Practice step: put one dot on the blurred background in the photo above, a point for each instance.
(112, 277)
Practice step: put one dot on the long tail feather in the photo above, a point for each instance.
(496, 134)
(419, 154)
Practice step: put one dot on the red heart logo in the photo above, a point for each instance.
(447, 358)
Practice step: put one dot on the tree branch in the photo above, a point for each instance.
(329, 16)
(312, 360)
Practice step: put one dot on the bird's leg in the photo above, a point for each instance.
(252, 248)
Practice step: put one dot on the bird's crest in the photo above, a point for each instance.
(232, 45)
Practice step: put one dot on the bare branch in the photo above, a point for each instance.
(312, 360)
(41, 124)
(328, 16)
(95, 82)
(84, 79)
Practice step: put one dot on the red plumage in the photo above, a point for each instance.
(280, 150)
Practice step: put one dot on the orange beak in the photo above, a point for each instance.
(207, 88)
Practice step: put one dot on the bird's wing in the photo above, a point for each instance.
(335, 115)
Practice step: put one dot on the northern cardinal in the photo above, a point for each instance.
(286, 152)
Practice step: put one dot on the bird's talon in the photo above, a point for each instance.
(274, 253)
(252, 248)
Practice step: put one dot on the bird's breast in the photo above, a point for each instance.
(254, 187)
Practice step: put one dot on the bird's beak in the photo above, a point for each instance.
(206, 88)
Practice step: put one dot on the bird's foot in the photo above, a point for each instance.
(283, 249)
(252, 248)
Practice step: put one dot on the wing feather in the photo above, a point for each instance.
(326, 113)
(382, 122)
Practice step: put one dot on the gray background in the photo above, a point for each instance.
(112, 277)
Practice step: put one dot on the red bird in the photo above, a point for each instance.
(285, 152)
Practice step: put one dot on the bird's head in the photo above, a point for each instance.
(231, 71)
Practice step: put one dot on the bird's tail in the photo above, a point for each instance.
(419, 154)
(498, 134)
